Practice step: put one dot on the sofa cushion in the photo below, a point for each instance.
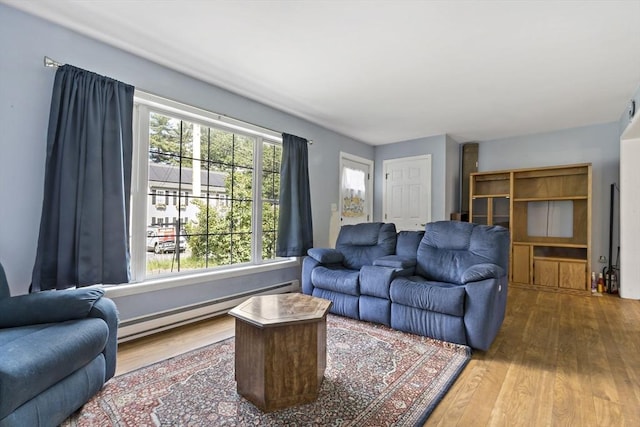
(326, 255)
(36, 357)
(362, 243)
(417, 292)
(336, 279)
(363, 234)
(449, 248)
(408, 242)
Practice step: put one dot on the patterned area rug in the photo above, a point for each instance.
(375, 376)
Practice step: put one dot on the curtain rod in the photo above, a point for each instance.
(48, 62)
(51, 63)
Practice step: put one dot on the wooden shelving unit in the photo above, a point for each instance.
(489, 202)
(548, 211)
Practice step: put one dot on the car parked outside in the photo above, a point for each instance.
(162, 239)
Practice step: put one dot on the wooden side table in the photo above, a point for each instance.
(281, 349)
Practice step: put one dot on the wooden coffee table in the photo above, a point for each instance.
(281, 349)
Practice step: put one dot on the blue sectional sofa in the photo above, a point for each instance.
(57, 349)
(447, 282)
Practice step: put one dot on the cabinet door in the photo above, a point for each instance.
(545, 273)
(500, 211)
(480, 211)
(491, 211)
(520, 264)
(573, 275)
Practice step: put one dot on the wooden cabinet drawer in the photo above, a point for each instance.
(572, 275)
(555, 273)
(545, 273)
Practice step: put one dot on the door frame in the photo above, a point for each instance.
(369, 189)
(385, 164)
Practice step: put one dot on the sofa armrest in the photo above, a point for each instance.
(48, 307)
(485, 307)
(106, 309)
(375, 280)
(308, 264)
(395, 261)
(479, 272)
(326, 255)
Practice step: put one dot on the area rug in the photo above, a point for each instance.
(375, 376)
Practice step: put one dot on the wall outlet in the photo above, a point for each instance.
(602, 259)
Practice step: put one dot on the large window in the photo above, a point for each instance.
(210, 191)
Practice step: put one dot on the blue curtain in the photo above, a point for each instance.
(295, 230)
(84, 226)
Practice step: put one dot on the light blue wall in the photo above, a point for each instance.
(596, 144)
(434, 145)
(25, 94)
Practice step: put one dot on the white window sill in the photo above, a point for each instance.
(187, 279)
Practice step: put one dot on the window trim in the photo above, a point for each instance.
(179, 109)
(144, 103)
(199, 277)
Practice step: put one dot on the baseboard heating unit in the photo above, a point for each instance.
(158, 322)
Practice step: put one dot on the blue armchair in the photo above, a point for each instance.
(334, 274)
(458, 290)
(57, 349)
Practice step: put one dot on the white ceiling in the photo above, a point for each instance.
(387, 71)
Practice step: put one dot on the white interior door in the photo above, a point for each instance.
(356, 192)
(407, 192)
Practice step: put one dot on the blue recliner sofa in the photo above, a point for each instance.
(334, 274)
(57, 349)
(447, 282)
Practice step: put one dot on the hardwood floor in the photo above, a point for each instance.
(558, 360)
(154, 348)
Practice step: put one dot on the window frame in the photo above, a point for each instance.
(145, 103)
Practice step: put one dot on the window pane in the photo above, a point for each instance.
(240, 184)
(271, 158)
(219, 250)
(243, 151)
(241, 216)
(272, 154)
(164, 138)
(270, 186)
(241, 250)
(209, 182)
(186, 142)
(353, 192)
(200, 196)
(269, 217)
(218, 146)
(269, 229)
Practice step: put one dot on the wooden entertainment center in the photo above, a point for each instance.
(548, 211)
